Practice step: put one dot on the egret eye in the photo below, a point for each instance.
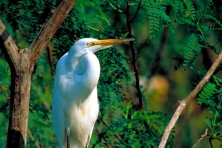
(90, 44)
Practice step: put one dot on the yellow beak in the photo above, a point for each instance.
(109, 42)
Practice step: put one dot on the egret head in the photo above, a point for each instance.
(83, 46)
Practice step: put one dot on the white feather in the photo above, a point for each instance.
(75, 104)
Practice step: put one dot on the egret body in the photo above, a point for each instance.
(75, 104)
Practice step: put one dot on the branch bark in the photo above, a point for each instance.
(49, 29)
(12, 51)
(21, 64)
(184, 102)
(20, 87)
(133, 54)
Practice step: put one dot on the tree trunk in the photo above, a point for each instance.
(19, 105)
(21, 64)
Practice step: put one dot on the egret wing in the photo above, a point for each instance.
(58, 117)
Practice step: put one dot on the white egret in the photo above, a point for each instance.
(75, 104)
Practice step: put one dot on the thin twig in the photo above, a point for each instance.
(107, 125)
(40, 140)
(201, 137)
(134, 63)
(49, 58)
(33, 139)
(137, 10)
(162, 44)
(157, 60)
(184, 102)
(102, 134)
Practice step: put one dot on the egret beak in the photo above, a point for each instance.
(109, 42)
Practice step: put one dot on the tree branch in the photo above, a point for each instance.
(10, 48)
(134, 63)
(201, 137)
(21, 64)
(163, 41)
(49, 29)
(137, 10)
(184, 102)
(49, 57)
(157, 60)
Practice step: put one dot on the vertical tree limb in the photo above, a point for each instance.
(184, 102)
(20, 87)
(134, 63)
(8, 43)
(137, 10)
(21, 64)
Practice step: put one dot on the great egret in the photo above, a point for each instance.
(75, 104)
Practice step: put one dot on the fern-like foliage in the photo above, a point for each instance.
(184, 11)
(190, 11)
(131, 132)
(156, 10)
(211, 98)
(193, 47)
(204, 97)
(203, 21)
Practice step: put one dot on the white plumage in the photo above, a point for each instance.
(75, 104)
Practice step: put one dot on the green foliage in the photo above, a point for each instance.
(131, 132)
(4, 97)
(193, 47)
(156, 10)
(211, 98)
(194, 26)
(196, 20)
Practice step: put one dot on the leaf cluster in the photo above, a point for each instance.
(202, 20)
(211, 98)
